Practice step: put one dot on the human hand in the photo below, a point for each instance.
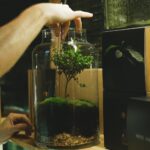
(61, 14)
(13, 124)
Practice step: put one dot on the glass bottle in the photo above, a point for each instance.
(66, 96)
(43, 85)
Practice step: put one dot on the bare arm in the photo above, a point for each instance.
(17, 35)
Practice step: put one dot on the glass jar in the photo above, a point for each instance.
(43, 85)
(66, 96)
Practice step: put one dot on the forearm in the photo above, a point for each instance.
(17, 35)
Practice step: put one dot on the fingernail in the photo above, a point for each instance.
(91, 14)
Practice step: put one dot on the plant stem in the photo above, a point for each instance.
(66, 86)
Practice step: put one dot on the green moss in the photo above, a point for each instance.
(82, 103)
(54, 100)
(64, 101)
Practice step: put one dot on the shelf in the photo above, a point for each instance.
(28, 143)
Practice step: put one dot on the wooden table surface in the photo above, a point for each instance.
(28, 143)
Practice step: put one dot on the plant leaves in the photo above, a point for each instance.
(118, 54)
(111, 47)
(136, 55)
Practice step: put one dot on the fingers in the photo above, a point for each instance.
(78, 24)
(61, 29)
(22, 127)
(57, 29)
(19, 127)
(83, 14)
(20, 122)
(18, 118)
(76, 16)
(65, 28)
(60, 14)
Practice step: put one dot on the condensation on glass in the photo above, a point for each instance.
(115, 13)
(139, 11)
(126, 13)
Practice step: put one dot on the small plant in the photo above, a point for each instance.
(124, 51)
(71, 62)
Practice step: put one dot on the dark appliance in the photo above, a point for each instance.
(125, 69)
(138, 123)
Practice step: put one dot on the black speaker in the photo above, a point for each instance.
(126, 74)
(138, 123)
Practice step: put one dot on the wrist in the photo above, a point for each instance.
(37, 12)
(43, 9)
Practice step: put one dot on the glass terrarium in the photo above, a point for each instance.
(66, 92)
